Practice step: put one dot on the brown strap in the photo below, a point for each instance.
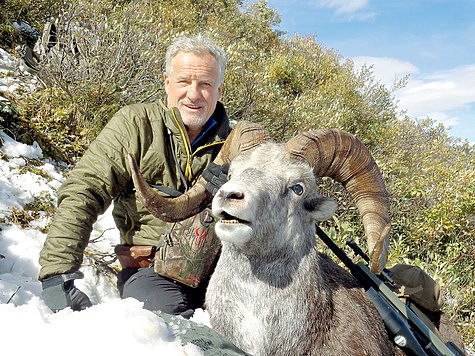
(135, 256)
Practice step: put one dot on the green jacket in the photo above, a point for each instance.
(103, 175)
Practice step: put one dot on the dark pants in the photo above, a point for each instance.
(160, 293)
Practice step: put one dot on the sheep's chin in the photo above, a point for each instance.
(235, 232)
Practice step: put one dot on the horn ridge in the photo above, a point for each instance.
(341, 156)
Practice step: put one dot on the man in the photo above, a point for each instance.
(173, 144)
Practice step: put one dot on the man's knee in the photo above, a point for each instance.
(156, 292)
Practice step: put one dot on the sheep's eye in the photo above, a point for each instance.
(297, 189)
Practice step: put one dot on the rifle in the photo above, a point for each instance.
(405, 328)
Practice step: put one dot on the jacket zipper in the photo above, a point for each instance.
(207, 146)
(132, 226)
(189, 154)
(187, 148)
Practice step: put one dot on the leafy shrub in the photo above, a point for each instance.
(35, 12)
(429, 176)
(108, 56)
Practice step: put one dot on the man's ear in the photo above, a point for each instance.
(166, 81)
(220, 90)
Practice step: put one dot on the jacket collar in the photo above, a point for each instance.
(218, 132)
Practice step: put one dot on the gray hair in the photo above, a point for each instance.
(197, 44)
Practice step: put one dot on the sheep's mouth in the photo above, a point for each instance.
(227, 218)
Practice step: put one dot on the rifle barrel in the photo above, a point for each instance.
(369, 281)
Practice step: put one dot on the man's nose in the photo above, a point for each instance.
(194, 92)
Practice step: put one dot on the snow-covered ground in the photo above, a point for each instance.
(27, 326)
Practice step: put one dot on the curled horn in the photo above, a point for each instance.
(244, 137)
(339, 155)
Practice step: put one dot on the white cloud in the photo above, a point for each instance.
(343, 6)
(351, 9)
(445, 119)
(438, 92)
(436, 95)
(387, 70)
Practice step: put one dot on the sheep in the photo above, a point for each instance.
(272, 293)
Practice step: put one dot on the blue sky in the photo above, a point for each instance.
(432, 41)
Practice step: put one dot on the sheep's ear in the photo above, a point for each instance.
(320, 207)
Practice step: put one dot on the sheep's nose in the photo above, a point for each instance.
(232, 195)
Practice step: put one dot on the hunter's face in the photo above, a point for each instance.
(193, 87)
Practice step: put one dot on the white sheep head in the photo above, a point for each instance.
(268, 195)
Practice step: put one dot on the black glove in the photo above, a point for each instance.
(216, 177)
(59, 292)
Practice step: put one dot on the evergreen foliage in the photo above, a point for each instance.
(289, 85)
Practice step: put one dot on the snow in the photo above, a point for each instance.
(112, 325)
(14, 75)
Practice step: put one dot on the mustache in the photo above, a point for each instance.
(195, 103)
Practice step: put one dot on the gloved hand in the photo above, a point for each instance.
(216, 176)
(59, 292)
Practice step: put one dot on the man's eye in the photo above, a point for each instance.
(297, 189)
